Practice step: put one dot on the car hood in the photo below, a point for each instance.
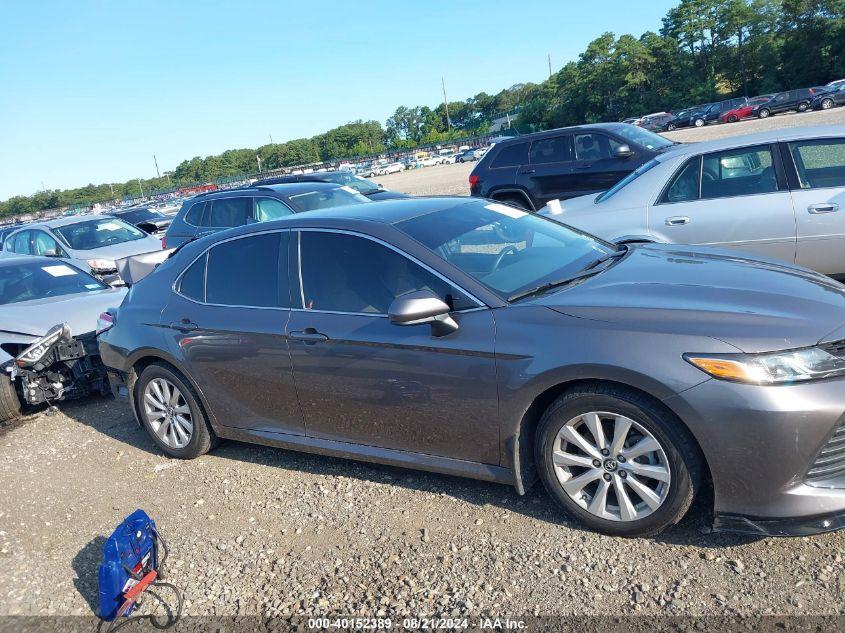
(126, 249)
(754, 305)
(29, 319)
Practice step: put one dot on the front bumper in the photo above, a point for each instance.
(759, 442)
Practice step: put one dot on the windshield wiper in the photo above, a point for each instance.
(588, 271)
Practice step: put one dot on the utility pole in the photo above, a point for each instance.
(550, 65)
(258, 158)
(446, 103)
(140, 187)
(271, 139)
(155, 160)
(112, 190)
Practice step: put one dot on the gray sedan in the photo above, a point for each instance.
(468, 337)
(777, 194)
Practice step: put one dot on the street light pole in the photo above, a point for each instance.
(258, 158)
(140, 187)
(155, 160)
(446, 103)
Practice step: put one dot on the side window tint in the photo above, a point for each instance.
(228, 212)
(820, 163)
(270, 209)
(684, 187)
(45, 243)
(250, 271)
(738, 172)
(192, 284)
(591, 147)
(511, 156)
(20, 243)
(551, 150)
(194, 214)
(346, 273)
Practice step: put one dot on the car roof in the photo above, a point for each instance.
(284, 188)
(70, 219)
(573, 128)
(770, 136)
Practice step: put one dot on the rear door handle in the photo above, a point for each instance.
(309, 336)
(583, 166)
(185, 325)
(527, 171)
(677, 220)
(824, 207)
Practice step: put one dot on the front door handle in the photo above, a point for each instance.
(527, 171)
(824, 207)
(583, 166)
(309, 336)
(677, 220)
(185, 325)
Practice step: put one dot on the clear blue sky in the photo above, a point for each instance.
(90, 90)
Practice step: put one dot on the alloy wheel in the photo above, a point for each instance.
(611, 466)
(168, 413)
(827, 104)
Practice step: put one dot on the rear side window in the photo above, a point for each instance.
(228, 212)
(270, 209)
(20, 243)
(192, 284)
(250, 271)
(194, 214)
(685, 185)
(820, 163)
(551, 150)
(738, 172)
(511, 156)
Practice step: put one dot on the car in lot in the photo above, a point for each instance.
(340, 177)
(657, 122)
(743, 111)
(214, 211)
(471, 155)
(688, 117)
(530, 170)
(786, 101)
(146, 218)
(829, 99)
(48, 349)
(777, 194)
(90, 242)
(473, 338)
(712, 112)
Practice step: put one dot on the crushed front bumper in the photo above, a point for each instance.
(793, 526)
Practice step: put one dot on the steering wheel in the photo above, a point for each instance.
(501, 256)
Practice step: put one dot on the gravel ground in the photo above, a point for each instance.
(263, 531)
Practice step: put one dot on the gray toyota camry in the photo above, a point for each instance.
(468, 337)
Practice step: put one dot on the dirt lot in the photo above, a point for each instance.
(264, 531)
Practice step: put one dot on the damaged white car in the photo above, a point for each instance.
(48, 322)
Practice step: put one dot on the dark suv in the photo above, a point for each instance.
(798, 100)
(531, 170)
(218, 210)
(340, 177)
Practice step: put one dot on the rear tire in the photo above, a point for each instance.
(699, 123)
(10, 404)
(803, 107)
(674, 461)
(732, 118)
(201, 438)
(763, 114)
(514, 200)
(827, 104)
(671, 127)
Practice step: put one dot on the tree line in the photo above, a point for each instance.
(705, 50)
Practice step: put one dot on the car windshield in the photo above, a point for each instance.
(361, 185)
(507, 249)
(627, 180)
(38, 280)
(137, 215)
(327, 198)
(91, 234)
(642, 137)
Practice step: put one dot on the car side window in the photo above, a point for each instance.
(21, 243)
(557, 149)
(511, 156)
(592, 147)
(270, 209)
(249, 271)
(194, 214)
(349, 273)
(820, 163)
(44, 243)
(685, 185)
(229, 212)
(738, 172)
(192, 283)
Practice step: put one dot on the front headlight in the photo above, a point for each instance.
(102, 265)
(777, 368)
(35, 352)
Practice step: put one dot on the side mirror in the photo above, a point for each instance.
(623, 151)
(51, 252)
(422, 306)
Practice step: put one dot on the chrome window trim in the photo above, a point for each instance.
(481, 304)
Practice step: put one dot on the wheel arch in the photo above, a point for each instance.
(522, 444)
(504, 192)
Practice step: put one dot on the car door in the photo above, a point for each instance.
(596, 167)
(550, 169)
(734, 198)
(226, 322)
(816, 169)
(365, 380)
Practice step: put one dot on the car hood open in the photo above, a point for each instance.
(754, 305)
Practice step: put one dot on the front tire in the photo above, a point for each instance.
(699, 123)
(617, 461)
(827, 104)
(671, 127)
(803, 107)
(763, 114)
(732, 118)
(10, 404)
(170, 410)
